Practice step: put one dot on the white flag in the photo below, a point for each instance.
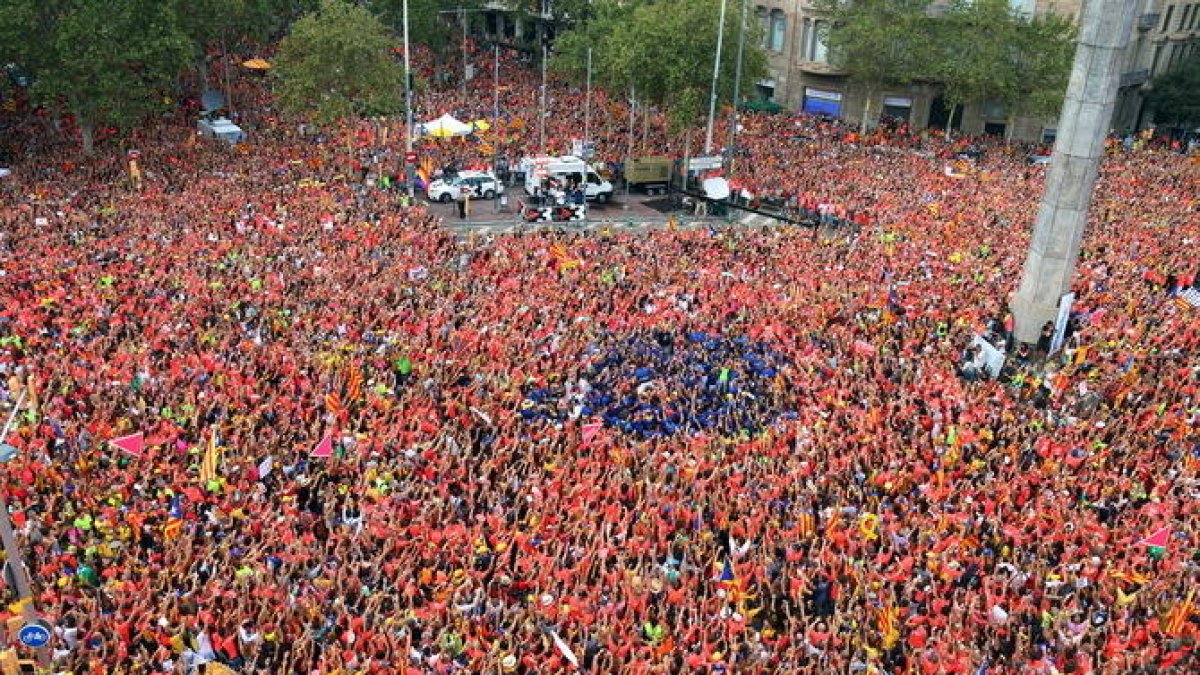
(265, 467)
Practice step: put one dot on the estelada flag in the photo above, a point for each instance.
(324, 448)
(134, 444)
(727, 573)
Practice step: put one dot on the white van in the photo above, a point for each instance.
(565, 169)
(221, 129)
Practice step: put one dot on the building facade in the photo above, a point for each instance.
(803, 78)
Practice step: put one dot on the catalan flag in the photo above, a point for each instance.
(211, 460)
(425, 172)
(806, 524)
(563, 260)
(1188, 298)
(887, 622)
(172, 529)
(334, 405)
(354, 383)
(1179, 615)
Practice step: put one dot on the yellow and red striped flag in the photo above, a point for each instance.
(1179, 615)
(888, 624)
(211, 460)
(354, 383)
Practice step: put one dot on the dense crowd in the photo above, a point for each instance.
(521, 481)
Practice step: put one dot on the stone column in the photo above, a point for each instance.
(1104, 30)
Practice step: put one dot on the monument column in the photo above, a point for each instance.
(1104, 30)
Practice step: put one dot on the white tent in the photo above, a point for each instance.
(445, 127)
(716, 188)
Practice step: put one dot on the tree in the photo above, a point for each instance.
(881, 43)
(996, 54)
(976, 38)
(1042, 54)
(662, 50)
(425, 25)
(1174, 96)
(206, 22)
(112, 62)
(337, 62)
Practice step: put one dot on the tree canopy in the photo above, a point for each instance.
(111, 62)
(881, 43)
(425, 25)
(337, 62)
(978, 50)
(996, 54)
(662, 50)
(1175, 95)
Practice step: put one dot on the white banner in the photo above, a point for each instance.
(1060, 323)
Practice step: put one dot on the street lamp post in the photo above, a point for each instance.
(587, 105)
(408, 113)
(542, 114)
(629, 152)
(12, 552)
(737, 92)
(712, 99)
(495, 117)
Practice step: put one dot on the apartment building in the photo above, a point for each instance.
(802, 76)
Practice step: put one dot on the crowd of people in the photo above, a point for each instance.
(519, 476)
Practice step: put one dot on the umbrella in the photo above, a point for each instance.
(481, 125)
(257, 64)
(445, 127)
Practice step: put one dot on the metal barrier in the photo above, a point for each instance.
(553, 213)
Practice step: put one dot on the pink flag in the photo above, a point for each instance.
(863, 348)
(590, 431)
(1159, 538)
(324, 448)
(132, 444)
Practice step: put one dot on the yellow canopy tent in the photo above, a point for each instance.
(257, 64)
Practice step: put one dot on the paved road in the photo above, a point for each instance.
(634, 214)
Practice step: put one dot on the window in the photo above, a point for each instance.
(1167, 18)
(764, 24)
(1022, 7)
(818, 47)
(778, 30)
(1183, 17)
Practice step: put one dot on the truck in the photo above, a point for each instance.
(565, 170)
(652, 174)
(222, 129)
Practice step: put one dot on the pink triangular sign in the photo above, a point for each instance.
(132, 444)
(590, 431)
(324, 448)
(1159, 538)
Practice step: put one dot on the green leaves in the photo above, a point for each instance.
(1175, 96)
(978, 50)
(881, 42)
(337, 62)
(664, 50)
(112, 61)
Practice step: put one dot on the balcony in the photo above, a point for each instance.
(1135, 78)
(816, 68)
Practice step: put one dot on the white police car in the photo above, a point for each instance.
(482, 184)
